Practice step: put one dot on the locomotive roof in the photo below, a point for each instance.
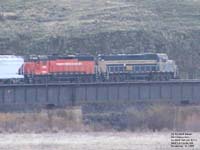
(54, 57)
(79, 57)
(145, 56)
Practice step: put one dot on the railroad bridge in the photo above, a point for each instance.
(72, 94)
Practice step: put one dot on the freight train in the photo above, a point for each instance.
(82, 68)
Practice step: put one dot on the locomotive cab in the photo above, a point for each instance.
(167, 67)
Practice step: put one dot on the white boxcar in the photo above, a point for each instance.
(10, 66)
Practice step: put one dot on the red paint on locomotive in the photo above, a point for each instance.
(48, 67)
(36, 68)
(71, 66)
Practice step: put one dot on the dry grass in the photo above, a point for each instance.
(132, 118)
(45, 121)
(161, 117)
(148, 118)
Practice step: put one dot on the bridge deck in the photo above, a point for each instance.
(67, 94)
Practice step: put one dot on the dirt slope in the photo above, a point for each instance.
(103, 26)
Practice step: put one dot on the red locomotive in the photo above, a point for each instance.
(59, 68)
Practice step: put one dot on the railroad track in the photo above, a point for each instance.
(107, 83)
